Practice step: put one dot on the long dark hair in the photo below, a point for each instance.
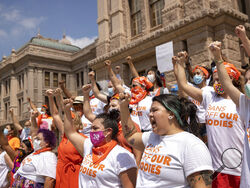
(183, 110)
(157, 76)
(109, 121)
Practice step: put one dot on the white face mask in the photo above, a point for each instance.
(151, 78)
(36, 144)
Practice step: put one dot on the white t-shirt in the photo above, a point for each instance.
(37, 167)
(97, 106)
(143, 110)
(244, 106)
(168, 160)
(134, 114)
(224, 130)
(86, 126)
(4, 169)
(106, 173)
(154, 93)
(200, 109)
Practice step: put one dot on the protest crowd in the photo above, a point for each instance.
(194, 134)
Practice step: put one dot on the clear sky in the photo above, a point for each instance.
(20, 20)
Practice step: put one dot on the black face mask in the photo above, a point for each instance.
(114, 114)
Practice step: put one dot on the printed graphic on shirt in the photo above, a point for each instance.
(218, 117)
(154, 159)
(89, 168)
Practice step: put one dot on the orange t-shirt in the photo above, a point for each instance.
(68, 164)
(122, 141)
(14, 142)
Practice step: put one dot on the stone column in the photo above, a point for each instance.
(13, 92)
(103, 28)
(39, 87)
(118, 34)
(2, 103)
(30, 83)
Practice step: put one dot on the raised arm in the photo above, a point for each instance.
(16, 123)
(75, 138)
(133, 137)
(32, 106)
(193, 92)
(5, 145)
(34, 128)
(65, 90)
(115, 81)
(95, 89)
(241, 33)
(54, 112)
(132, 67)
(86, 103)
(59, 99)
(224, 78)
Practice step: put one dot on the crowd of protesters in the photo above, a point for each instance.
(141, 135)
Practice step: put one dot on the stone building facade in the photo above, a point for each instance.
(37, 66)
(126, 28)
(136, 27)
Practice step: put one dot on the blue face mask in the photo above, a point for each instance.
(111, 91)
(91, 93)
(247, 89)
(197, 79)
(5, 132)
(27, 130)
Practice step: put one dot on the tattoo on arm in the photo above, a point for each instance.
(132, 141)
(128, 130)
(199, 177)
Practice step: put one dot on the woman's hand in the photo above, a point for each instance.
(215, 48)
(182, 58)
(68, 104)
(107, 63)
(49, 92)
(240, 31)
(86, 89)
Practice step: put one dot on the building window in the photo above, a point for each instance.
(22, 80)
(20, 107)
(135, 14)
(6, 111)
(55, 79)
(82, 78)
(156, 7)
(63, 77)
(77, 80)
(243, 6)
(47, 79)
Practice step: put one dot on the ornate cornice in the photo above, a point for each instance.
(210, 13)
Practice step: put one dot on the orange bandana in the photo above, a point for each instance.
(143, 81)
(137, 94)
(232, 71)
(203, 70)
(42, 150)
(101, 152)
(92, 97)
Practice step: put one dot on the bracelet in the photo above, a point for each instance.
(244, 67)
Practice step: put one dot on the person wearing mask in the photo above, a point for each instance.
(11, 134)
(25, 132)
(105, 164)
(172, 157)
(140, 101)
(242, 102)
(153, 75)
(69, 160)
(223, 123)
(38, 169)
(114, 110)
